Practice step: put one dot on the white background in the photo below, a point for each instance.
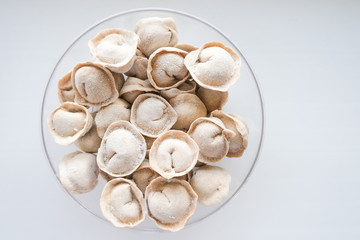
(306, 55)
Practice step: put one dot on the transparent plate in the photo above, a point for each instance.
(244, 100)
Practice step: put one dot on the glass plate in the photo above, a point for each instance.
(244, 100)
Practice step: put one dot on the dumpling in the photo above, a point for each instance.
(119, 80)
(116, 111)
(188, 108)
(173, 154)
(211, 183)
(212, 138)
(122, 204)
(139, 68)
(212, 99)
(185, 87)
(149, 142)
(91, 141)
(68, 123)
(154, 33)
(214, 66)
(65, 89)
(152, 115)
(115, 49)
(186, 177)
(239, 142)
(170, 203)
(166, 68)
(122, 149)
(186, 47)
(133, 87)
(105, 176)
(78, 172)
(143, 176)
(94, 85)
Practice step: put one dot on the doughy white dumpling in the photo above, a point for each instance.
(173, 154)
(211, 184)
(154, 33)
(170, 203)
(122, 149)
(185, 87)
(212, 138)
(239, 142)
(212, 99)
(152, 115)
(186, 177)
(149, 142)
(66, 92)
(78, 172)
(139, 68)
(119, 80)
(214, 66)
(143, 176)
(116, 111)
(105, 176)
(68, 123)
(186, 47)
(91, 141)
(122, 204)
(166, 68)
(188, 108)
(133, 87)
(115, 49)
(87, 79)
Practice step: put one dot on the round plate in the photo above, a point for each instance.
(244, 100)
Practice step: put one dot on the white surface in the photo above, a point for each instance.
(306, 56)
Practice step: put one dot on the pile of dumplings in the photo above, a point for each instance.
(154, 136)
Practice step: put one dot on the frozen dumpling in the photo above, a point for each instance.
(91, 141)
(149, 142)
(122, 149)
(152, 115)
(65, 89)
(188, 108)
(186, 47)
(212, 99)
(122, 204)
(87, 78)
(166, 68)
(173, 154)
(185, 87)
(212, 138)
(170, 203)
(116, 111)
(238, 143)
(139, 68)
(133, 87)
(214, 66)
(78, 172)
(154, 33)
(68, 123)
(119, 80)
(211, 183)
(115, 49)
(143, 176)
